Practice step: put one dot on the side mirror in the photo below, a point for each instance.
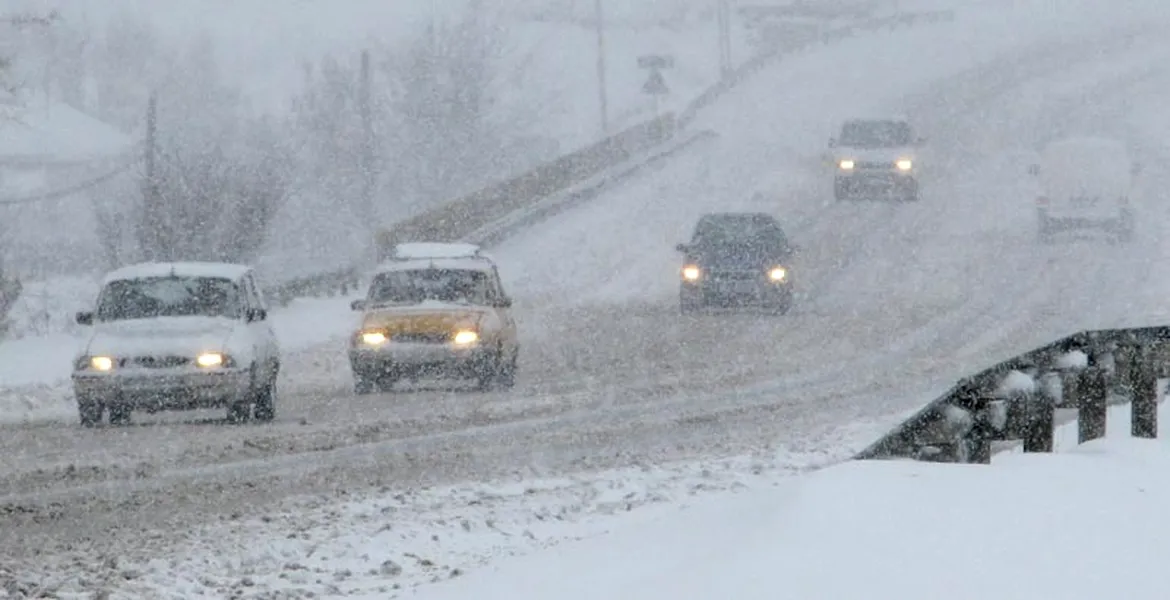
(681, 248)
(920, 141)
(1136, 169)
(1033, 170)
(257, 314)
(84, 318)
(504, 302)
(795, 248)
(358, 305)
(832, 142)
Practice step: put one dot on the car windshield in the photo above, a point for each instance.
(418, 285)
(875, 134)
(754, 230)
(173, 296)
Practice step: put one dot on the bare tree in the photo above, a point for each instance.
(442, 92)
(432, 103)
(219, 175)
(212, 203)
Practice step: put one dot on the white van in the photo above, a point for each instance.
(1085, 183)
(177, 336)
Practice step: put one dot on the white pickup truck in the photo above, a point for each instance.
(1085, 183)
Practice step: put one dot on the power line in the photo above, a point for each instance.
(69, 191)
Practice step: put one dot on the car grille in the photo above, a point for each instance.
(157, 362)
(422, 338)
(875, 165)
(734, 275)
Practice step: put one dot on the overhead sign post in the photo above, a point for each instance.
(655, 85)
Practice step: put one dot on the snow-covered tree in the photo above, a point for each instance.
(219, 173)
(431, 102)
(442, 95)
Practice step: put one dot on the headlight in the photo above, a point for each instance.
(846, 164)
(691, 273)
(465, 337)
(778, 274)
(904, 164)
(101, 363)
(210, 359)
(374, 338)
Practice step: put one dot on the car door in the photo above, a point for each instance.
(260, 330)
(504, 314)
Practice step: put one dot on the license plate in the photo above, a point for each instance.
(738, 287)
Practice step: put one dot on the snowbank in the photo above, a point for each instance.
(1080, 525)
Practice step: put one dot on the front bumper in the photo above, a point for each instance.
(736, 292)
(164, 389)
(869, 180)
(400, 359)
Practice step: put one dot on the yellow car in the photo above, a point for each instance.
(434, 310)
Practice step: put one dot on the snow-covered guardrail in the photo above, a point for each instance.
(633, 147)
(1017, 399)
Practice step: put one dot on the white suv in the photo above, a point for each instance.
(1085, 183)
(875, 157)
(177, 336)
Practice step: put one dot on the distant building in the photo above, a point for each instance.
(46, 145)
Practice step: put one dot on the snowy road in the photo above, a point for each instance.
(612, 376)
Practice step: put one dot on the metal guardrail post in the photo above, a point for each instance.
(1093, 404)
(1144, 390)
(1039, 427)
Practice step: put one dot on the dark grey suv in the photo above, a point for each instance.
(737, 259)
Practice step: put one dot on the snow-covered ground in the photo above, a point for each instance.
(1086, 523)
(746, 527)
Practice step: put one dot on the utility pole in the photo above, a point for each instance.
(367, 141)
(723, 22)
(603, 96)
(151, 240)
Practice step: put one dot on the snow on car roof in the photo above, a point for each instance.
(182, 269)
(413, 250)
(480, 263)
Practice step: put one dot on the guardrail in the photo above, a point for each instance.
(1017, 399)
(461, 217)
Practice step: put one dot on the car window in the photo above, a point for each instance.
(753, 229)
(875, 134)
(173, 296)
(414, 286)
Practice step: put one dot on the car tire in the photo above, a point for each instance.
(911, 193)
(1123, 228)
(507, 378)
(120, 414)
(240, 411)
(840, 194)
(688, 304)
(1044, 228)
(363, 384)
(490, 370)
(90, 413)
(781, 306)
(264, 408)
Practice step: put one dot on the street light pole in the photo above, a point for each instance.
(601, 91)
